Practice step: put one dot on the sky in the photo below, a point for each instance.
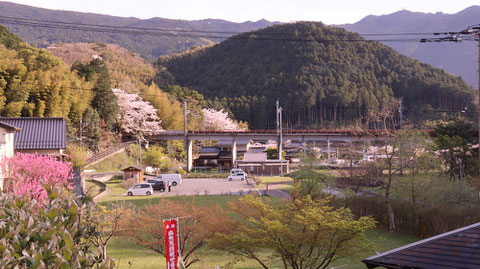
(327, 11)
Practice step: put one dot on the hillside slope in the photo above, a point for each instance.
(34, 83)
(147, 46)
(456, 58)
(331, 81)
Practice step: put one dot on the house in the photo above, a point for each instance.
(208, 157)
(7, 136)
(257, 163)
(220, 156)
(455, 249)
(44, 136)
(133, 172)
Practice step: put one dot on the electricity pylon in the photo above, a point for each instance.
(471, 33)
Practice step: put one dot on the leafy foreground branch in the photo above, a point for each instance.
(46, 235)
(302, 232)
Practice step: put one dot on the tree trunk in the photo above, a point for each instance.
(391, 216)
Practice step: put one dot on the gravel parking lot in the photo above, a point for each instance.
(209, 186)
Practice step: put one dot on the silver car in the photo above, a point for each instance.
(140, 189)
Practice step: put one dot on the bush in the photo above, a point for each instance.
(444, 192)
(128, 183)
(180, 171)
(26, 172)
(47, 235)
(413, 218)
(78, 155)
(155, 157)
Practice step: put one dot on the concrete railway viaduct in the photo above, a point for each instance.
(328, 137)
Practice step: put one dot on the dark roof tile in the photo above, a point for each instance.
(39, 133)
(456, 249)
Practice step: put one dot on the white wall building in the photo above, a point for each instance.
(6, 145)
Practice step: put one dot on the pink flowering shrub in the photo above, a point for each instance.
(25, 172)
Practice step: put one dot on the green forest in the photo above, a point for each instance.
(324, 77)
(34, 83)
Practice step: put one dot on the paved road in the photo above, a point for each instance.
(209, 186)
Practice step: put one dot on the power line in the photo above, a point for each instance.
(20, 19)
(169, 32)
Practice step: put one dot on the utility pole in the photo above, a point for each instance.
(471, 33)
(280, 135)
(400, 112)
(185, 118)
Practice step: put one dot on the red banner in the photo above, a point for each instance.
(171, 243)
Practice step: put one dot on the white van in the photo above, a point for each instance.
(175, 179)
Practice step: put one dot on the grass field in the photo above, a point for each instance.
(124, 252)
(128, 255)
(93, 187)
(274, 180)
(112, 163)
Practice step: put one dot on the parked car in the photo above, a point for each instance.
(236, 170)
(175, 179)
(157, 185)
(237, 175)
(140, 189)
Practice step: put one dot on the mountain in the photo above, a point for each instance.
(457, 58)
(148, 46)
(331, 81)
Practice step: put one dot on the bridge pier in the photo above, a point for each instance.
(234, 153)
(189, 151)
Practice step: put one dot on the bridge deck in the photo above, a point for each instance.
(288, 134)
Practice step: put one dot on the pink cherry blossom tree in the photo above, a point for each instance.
(218, 120)
(137, 117)
(26, 172)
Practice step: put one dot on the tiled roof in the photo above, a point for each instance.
(255, 157)
(455, 249)
(39, 133)
(209, 150)
(9, 127)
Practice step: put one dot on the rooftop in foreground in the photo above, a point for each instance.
(455, 249)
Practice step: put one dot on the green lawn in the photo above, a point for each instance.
(93, 187)
(274, 180)
(112, 163)
(124, 251)
(383, 241)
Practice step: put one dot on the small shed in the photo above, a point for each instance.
(133, 172)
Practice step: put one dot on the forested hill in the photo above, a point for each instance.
(456, 58)
(331, 81)
(34, 83)
(148, 46)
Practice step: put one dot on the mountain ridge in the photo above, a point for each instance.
(149, 47)
(456, 58)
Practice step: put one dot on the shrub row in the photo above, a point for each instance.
(412, 218)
